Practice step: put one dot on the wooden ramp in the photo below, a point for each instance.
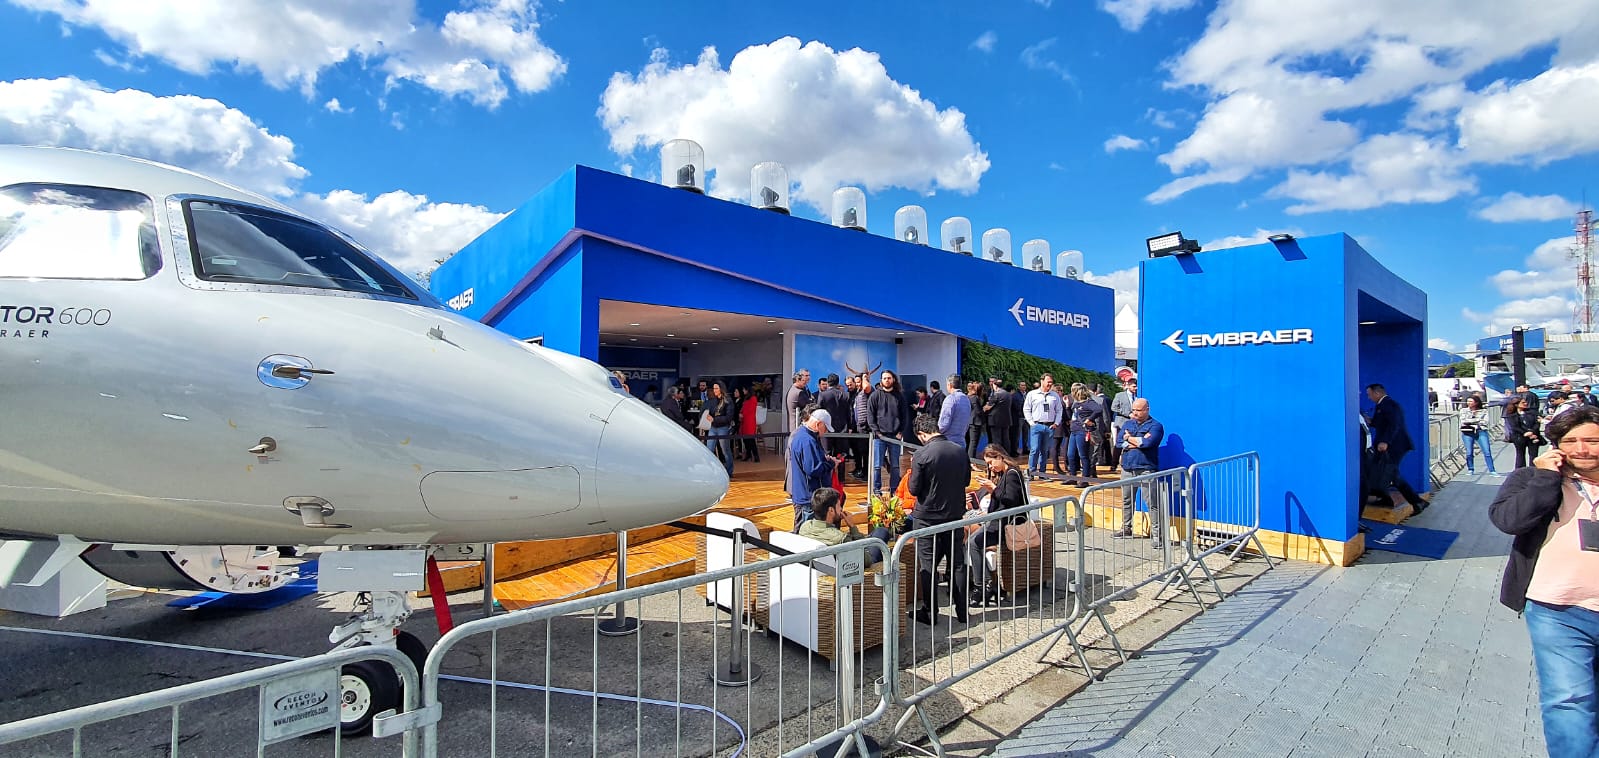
(538, 572)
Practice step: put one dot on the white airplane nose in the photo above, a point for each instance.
(650, 471)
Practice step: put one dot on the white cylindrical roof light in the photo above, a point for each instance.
(956, 234)
(1069, 264)
(769, 187)
(683, 165)
(849, 208)
(1035, 254)
(996, 246)
(910, 225)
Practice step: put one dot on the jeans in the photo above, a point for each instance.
(1039, 457)
(1565, 650)
(1474, 440)
(1079, 455)
(886, 454)
(717, 441)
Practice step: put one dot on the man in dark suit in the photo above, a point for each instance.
(1001, 419)
(835, 400)
(1391, 440)
(940, 473)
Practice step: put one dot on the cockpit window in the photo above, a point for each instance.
(233, 243)
(63, 231)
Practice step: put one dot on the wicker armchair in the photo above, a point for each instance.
(1020, 569)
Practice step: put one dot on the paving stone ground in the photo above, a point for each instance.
(1394, 656)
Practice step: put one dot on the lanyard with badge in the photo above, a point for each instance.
(1587, 528)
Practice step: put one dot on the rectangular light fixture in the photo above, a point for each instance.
(1170, 244)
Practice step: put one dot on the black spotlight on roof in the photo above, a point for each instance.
(1281, 238)
(1171, 244)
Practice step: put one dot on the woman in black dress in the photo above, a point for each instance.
(1006, 490)
(1521, 430)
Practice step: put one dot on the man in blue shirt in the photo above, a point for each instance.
(809, 468)
(1140, 441)
(956, 412)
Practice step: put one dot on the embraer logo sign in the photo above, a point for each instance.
(1234, 339)
(1047, 316)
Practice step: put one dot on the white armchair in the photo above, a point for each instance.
(717, 553)
(801, 602)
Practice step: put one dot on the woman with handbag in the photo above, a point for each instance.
(1004, 489)
(1474, 432)
(1521, 430)
(719, 409)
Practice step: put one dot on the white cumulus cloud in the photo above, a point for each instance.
(1543, 119)
(1124, 142)
(1290, 87)
(1439, 343)
(1389, 168)
(832, 118)
(291, 42)
(1514, 206)
(206, 136)
(1123, 281)
(1240, 240)
(409, 231)
(1542, 293)
(1132, 14)
(193, 132)
(986, 41)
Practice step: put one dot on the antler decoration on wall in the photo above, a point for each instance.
(850, 370)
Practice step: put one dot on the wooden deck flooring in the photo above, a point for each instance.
(543, 571)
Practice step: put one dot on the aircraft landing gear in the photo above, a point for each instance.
(370, 687)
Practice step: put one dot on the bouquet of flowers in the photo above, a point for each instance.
(886, 512)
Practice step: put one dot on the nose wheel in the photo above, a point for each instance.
(368, 688)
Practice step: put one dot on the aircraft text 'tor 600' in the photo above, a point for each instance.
(45, 315)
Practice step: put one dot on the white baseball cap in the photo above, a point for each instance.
(822, 416)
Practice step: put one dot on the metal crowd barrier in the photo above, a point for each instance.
(1221, 512)
(1118, 558)
(296, 698)
(699, 679)
(1037, 599)
(726, 688)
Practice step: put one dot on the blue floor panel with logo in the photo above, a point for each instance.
(1410, 540)
(220, 601)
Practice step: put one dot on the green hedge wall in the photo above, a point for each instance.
(980, 360)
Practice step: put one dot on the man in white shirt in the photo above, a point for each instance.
(1043, 410)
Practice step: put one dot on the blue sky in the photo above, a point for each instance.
(1452, 138)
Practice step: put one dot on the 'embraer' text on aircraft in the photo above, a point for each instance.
(1234, 339)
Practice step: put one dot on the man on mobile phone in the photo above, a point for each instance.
(1552, 576)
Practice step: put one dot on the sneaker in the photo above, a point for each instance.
(1123, 535)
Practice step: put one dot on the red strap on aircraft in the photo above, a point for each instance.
(441, 604)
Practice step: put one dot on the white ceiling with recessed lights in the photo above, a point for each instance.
(664, 326)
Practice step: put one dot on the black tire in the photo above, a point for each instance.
(413, 648)
(366, 688)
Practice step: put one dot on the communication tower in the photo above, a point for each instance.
(1583, 252)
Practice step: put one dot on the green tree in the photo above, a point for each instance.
(1465, 368)
(980, 360)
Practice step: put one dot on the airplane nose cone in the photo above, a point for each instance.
(651, 471)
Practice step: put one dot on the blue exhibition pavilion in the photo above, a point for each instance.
(664, 283)
(1268, 348)
(1260, 348)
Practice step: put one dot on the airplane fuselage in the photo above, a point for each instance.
(215, 367)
